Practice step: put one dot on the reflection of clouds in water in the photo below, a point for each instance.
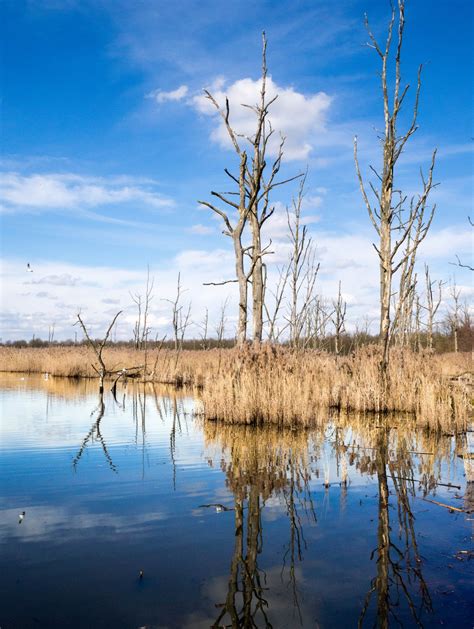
(41, 523)
(275, 507)
(57, 414)
(281, 612)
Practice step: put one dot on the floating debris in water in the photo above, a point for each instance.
(218, 507)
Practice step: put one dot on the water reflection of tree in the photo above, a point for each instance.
(95, 433)
(170, 406)
(399, 564)
(261, 463)
(258, 464)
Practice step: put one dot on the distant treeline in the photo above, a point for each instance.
(443, 341)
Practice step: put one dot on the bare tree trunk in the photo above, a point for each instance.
(394, 223)
(454, 315)
(258, 295)
(338, 319)
(432, 305)
(205, 326)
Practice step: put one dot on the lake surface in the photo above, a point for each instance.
(230, 526)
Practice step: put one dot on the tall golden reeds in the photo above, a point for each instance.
(282, 386)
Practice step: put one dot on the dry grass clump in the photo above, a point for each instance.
(188, 368)
(285, 387)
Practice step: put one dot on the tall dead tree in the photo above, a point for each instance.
(255, 181)
(393, 219)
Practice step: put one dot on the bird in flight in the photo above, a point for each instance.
(28, 268)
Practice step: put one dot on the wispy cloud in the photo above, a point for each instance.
(64, 279)
(201, 230)
(68, 191)
(174, 95)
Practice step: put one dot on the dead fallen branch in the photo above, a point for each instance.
(449, 507)
(416, 480)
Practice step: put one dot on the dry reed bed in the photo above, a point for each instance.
(284, 387)
(277, 385)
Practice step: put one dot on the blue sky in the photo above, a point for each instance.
(107, 146)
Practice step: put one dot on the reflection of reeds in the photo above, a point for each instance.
(261, 456)
(275, 384)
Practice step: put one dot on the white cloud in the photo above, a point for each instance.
(277, 226)
(70, 191)
(174, 95)
(201, 230)
(204, 260)
(449, 241)
(296, 116)
(65, 279)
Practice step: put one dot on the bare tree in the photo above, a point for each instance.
(221, 324)
(454, 314)
(204, 325)
(272, 312)
(432, 304)
(338, 319)
(319, 316)
(141, 330)
(255, 183)
(303, 269)
(98, 347)
(181, 318)
(405, 300)
(417, 322)
(393, 222)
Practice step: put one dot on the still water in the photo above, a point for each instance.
(138, 514)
